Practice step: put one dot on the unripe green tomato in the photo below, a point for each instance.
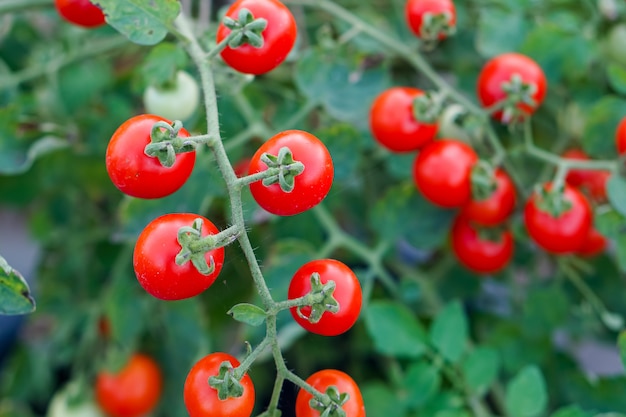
(60, 405)
(615, 42)
(176, 103)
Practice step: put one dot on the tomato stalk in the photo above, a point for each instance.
(166, 143)
(245, 29)
(194, 246)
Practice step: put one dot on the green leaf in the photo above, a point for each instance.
(570, 411)
(162, 63)
(15, 297)
(621, 344)
(500, 31)
(616, 191)
(394, 330)
(421, 381)
(429, 225)
(617, 77)
(248, 313)
(613, 225)
(144, 22)
(381, 401)
(480, 369)
(526, 394)
(602, 119)
(449, 331)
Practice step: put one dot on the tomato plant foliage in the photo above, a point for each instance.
(439, 182)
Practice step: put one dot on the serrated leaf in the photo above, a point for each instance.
(616, 192)
(145, 22)
(394, 330)
(248, 313)
(15, 297)
(421, 381)
(480, 369)
(602, 119)
(570, 411)
(526, 394)
(449, 331)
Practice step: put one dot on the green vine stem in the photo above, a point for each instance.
(13, 6)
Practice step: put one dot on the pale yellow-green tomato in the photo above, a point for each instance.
(176, 103)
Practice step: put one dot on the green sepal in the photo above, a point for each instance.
(552, 201)
(427, 107)
(248, 29)
(193, 248)
(285, 168)
(15, 296)
(332, 403)
(483, 179)
(225, 383)
(326, 303)
(517, 92)
(165, 143)
(436, 24)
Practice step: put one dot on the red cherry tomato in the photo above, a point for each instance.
(566, 233)
(593, 182)
(241, 168)
(156, 250)
(323, 379)
(442, 172)
(133, 391)
(311, 186)
(416, 10)
(278, 37)
(499, 70)
(392, 122)
(620, 136)
(201, 399)
(594, 245)
(479, 254)
(137, 174)
(80, 12)
(347, 293)
(497, 207)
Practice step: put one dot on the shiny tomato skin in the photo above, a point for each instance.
(500, 69)
(278, 37)
(201, 399)
(311, 186)
(594, 245)
(620, 136)
(591, 181)
(323, 379)
(478, 254)
(496, 208)
(393, 124)
(442, 172)
(563, 234)
(80, 12)
(154, 259)
(136, 174)
(133, 391)
(347, 293)
(415, 11)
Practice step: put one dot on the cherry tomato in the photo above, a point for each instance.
(63, 403)
(278, 37)
(347, 293)
(594, 245)
(497, 207)
(311, 186)
(177, 102)
(80, 12)
(499, 70)
(563, 234)
(201, 399)
(620, 136)
(442, 172)
(392, 122)
(137, 174)
(477, 253)
(415, 11)
(156, 250)
(591, 181)
(323, 379)
(133, 391)
(242, 167)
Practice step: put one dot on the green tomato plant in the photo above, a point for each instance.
(315, 207)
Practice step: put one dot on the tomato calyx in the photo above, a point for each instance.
(319, 300)
(330, 404)
(427, 107)
(226, 382)
(552, 200)
(194, 246)
(282, 169)
(484, 181)
(437, 25)
(165, 143)
(517, 92)
(245, 30)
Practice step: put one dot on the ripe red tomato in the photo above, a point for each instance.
(620, 136)
(442, 172)
(566, 233)
(241, 168)
(278, 37)
(477, 253)
(392, 122)
(593, 182)
(311, 186)
(497, 207)
(156, 250)
(323, 379)
(347, 293)
(594, 245)
(416, 10)
(499, 70)
(80, 12)
(137, 174)
(201, 399)
(133, 391)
